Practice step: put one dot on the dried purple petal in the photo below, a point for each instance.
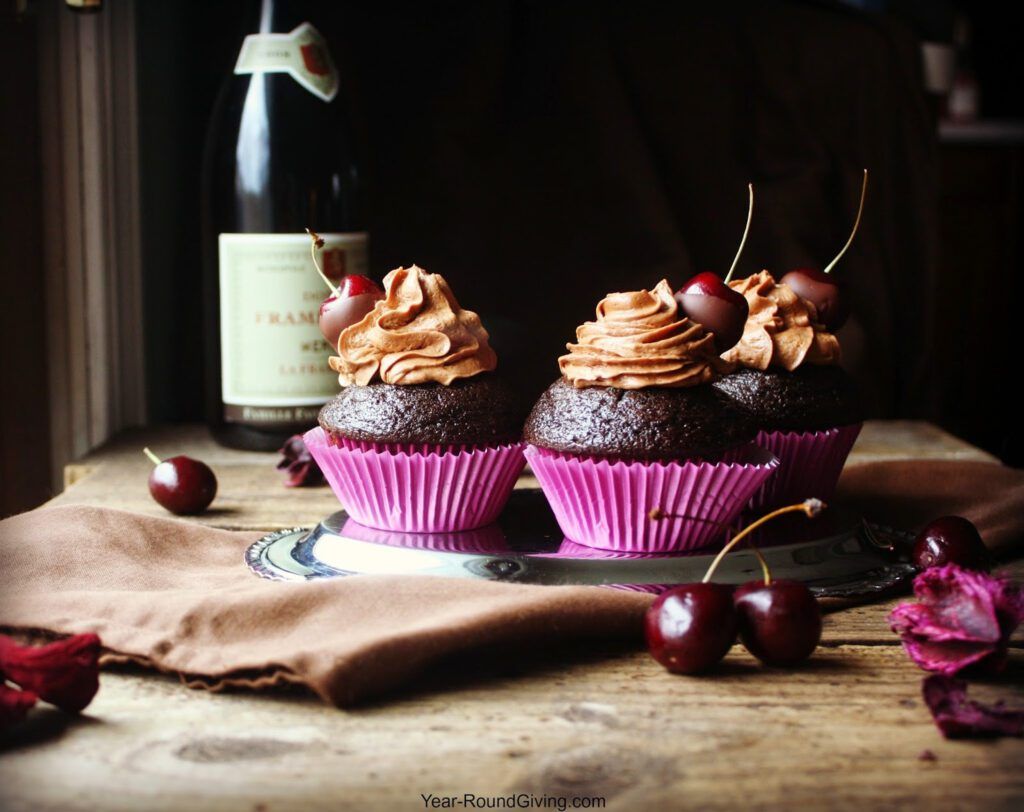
(963, 618)
(961, 718)
(300, 465)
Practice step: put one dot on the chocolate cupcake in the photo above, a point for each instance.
(786, 377)
(633, 448)
(424, 437)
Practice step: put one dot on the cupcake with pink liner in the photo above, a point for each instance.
(424, 436)
(787, 379)
(634, 449)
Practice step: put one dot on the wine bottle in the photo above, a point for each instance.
(279, 157)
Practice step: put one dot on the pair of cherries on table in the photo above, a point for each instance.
(691, 627)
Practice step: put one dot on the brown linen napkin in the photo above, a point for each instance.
(909, 493)
(176, 596)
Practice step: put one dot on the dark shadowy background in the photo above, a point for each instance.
(542, 154)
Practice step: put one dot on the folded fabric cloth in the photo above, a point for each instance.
(909, 493)
(177, 597)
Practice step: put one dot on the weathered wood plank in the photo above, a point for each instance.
(845, 733)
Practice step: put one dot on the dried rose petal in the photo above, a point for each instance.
(961, 718)
(964, 618)
(65, 673)
(14, 704)
(300, 465)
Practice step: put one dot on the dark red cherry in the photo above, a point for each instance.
(779, 623)
(718, 308)
(821, 290)
(181, 484)
(950, 540)
(356, 297)
(691, 627)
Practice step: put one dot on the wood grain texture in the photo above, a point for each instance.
(845, 732)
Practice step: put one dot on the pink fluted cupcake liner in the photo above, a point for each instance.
(809, 464)
(608, 503)
(417, 490)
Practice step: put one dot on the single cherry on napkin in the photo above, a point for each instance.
(348, 303)
(710, 301)
(181, 484)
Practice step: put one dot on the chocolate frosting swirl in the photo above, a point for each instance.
(782, 329)
(641, 339)
(416, 334)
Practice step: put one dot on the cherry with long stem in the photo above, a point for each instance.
(709, 301)
(820, 288)
(811, 507)
(856, 224)
(181, 484)
(348, 303)
(657, 514)
(746, 231)
(778, 621)
(318, 242)
(691, 628)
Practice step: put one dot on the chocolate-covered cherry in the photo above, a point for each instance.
(355, 297)
(710, 301)
(779, 622)
(821, 290)
(691, 627)
(718, 308)
(181, 484)
(950, 540)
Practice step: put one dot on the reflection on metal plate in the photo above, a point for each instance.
(836, 555)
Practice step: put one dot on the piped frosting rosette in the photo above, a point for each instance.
(641, 340)
(782, 329)
(417, 335)
(783, 332)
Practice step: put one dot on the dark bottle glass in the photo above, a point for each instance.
(279, 157)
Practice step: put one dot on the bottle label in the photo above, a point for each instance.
(302, 53)
(273, 358)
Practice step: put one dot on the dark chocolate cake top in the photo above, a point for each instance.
(638, 424)
(482, 410)
(811, 398)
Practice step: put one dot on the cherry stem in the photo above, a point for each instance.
(746, 230)
(811, 507)
(152, 457)
(318, 242)
(856, 223)
(657, 513)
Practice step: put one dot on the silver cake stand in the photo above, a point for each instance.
(837, 554)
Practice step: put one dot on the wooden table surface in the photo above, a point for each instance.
(847, 731)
